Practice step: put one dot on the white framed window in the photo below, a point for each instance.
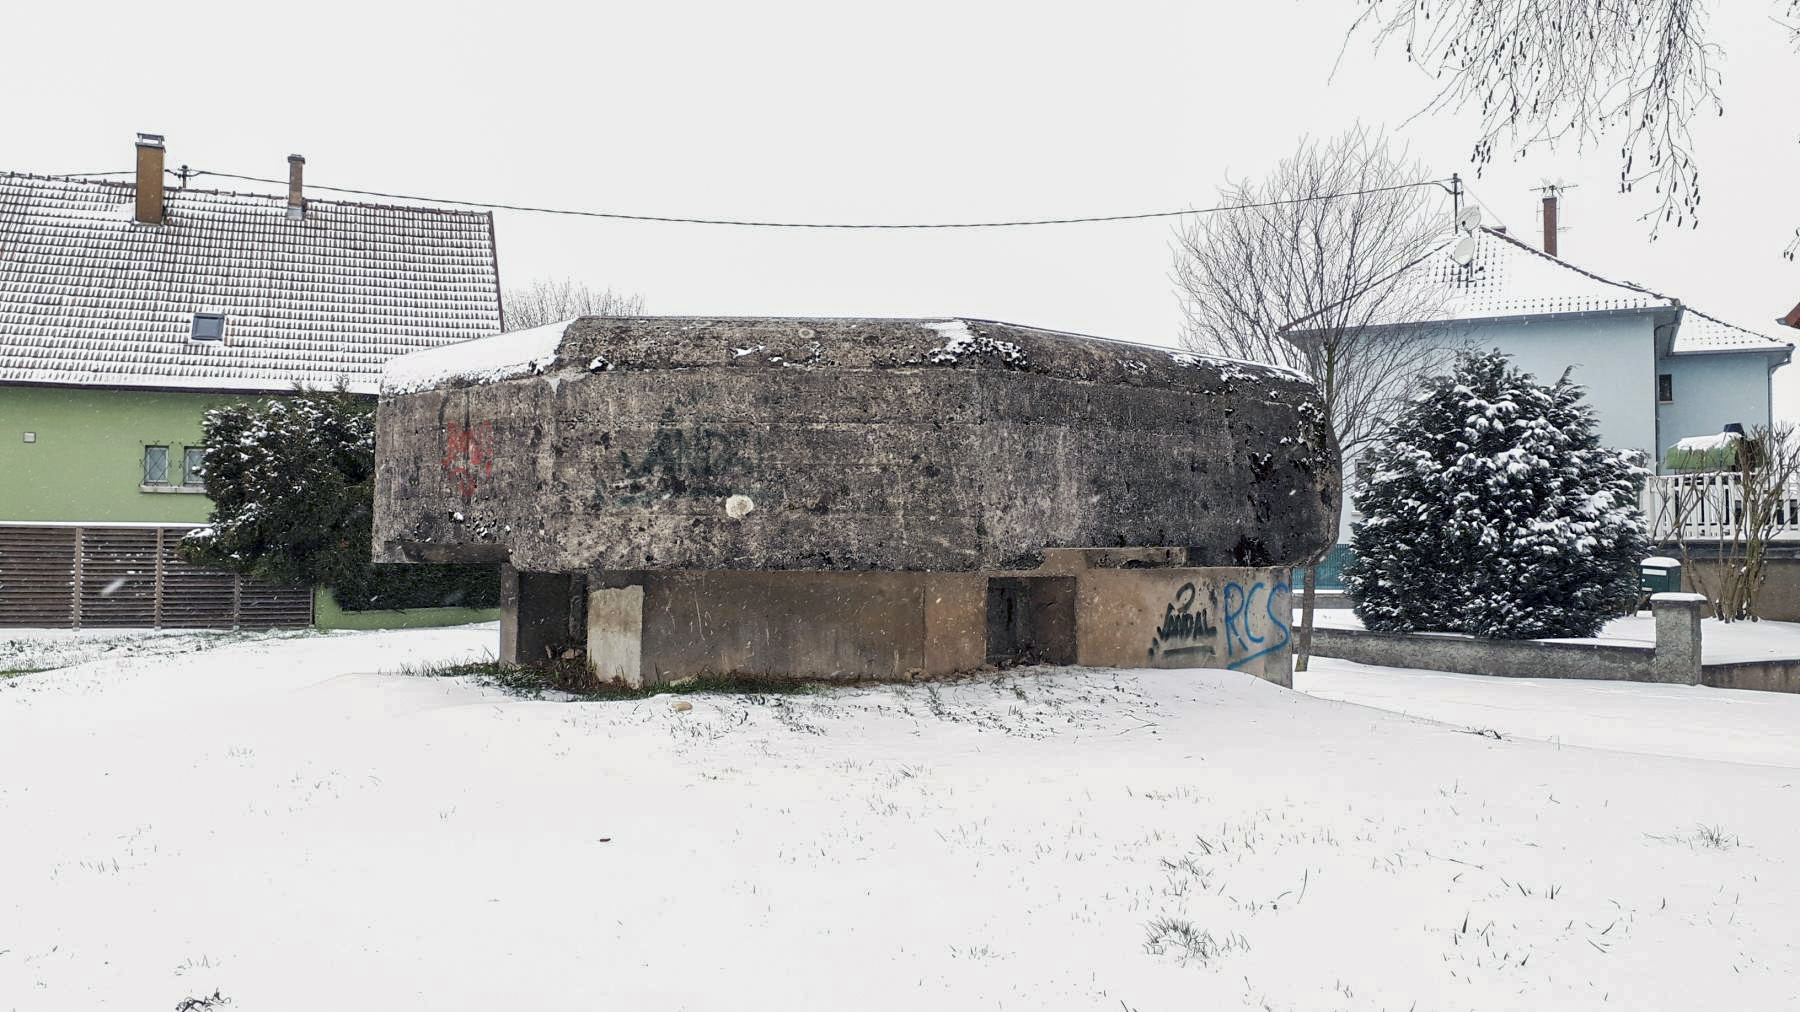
(208, 327)
(156, 465)
(192, 458)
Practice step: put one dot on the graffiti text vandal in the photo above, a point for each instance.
(1185, 631)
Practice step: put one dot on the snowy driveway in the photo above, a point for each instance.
(278, 821)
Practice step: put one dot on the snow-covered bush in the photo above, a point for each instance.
(292, 484)
(1490, 508)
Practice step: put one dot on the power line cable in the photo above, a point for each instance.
(749, 223)
(1469, 192)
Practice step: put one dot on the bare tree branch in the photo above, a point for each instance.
(1634, 72)
(1330, 286)
(546, 301)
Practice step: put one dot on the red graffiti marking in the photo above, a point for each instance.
(467, 455)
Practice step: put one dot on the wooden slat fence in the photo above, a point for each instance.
(99, 576)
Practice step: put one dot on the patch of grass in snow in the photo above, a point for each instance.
(1177, 937)
(1704, 836)
(203, 1003)
(1714, 837)
(572, 680)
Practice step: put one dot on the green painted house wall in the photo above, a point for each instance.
(86, 460)
(85, 463)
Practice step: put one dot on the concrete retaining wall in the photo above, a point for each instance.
(1470, 656)
(1766, 676)
(1674, 659)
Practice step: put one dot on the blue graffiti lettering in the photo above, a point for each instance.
(1240, 621)
(1234, 617)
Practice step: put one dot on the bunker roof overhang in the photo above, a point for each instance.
(685, 443)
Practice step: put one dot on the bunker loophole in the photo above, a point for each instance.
(1031, 620)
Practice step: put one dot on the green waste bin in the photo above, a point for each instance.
(1658, 575)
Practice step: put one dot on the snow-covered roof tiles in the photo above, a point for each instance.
(88, 296)
(1700, 332)
(1512, 278)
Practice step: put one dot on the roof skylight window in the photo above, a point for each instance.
(209, 327)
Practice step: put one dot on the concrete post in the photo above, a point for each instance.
(1677, 657)
(509, 614)
(615, 634)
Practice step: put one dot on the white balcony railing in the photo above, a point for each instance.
(1710, 507)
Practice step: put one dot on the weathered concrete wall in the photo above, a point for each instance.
(808, 625)
(1188, 618)
(1137, 608)
(892, 625)
(752, 444)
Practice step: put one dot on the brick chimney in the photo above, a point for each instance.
(1792, 319)
(1550, 221)
(150, 179)
(296, 207)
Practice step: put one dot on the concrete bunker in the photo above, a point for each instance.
(858, 498)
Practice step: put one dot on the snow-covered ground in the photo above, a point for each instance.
(1688, 721)
(277, 820)
(1719, 641)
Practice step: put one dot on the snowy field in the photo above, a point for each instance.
(280, 822)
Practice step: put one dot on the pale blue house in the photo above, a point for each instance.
(1656, 370)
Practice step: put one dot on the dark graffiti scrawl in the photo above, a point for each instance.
(1249, 625)
(1185, 631)
(680, 462)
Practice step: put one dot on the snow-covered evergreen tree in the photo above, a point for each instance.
(292, 483)
(1490, 508)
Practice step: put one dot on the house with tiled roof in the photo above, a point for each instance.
(128, 308)
(1656, 370)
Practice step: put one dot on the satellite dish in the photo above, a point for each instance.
(1464, 253)
(1470, 218)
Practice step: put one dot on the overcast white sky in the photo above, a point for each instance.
(842, 111)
